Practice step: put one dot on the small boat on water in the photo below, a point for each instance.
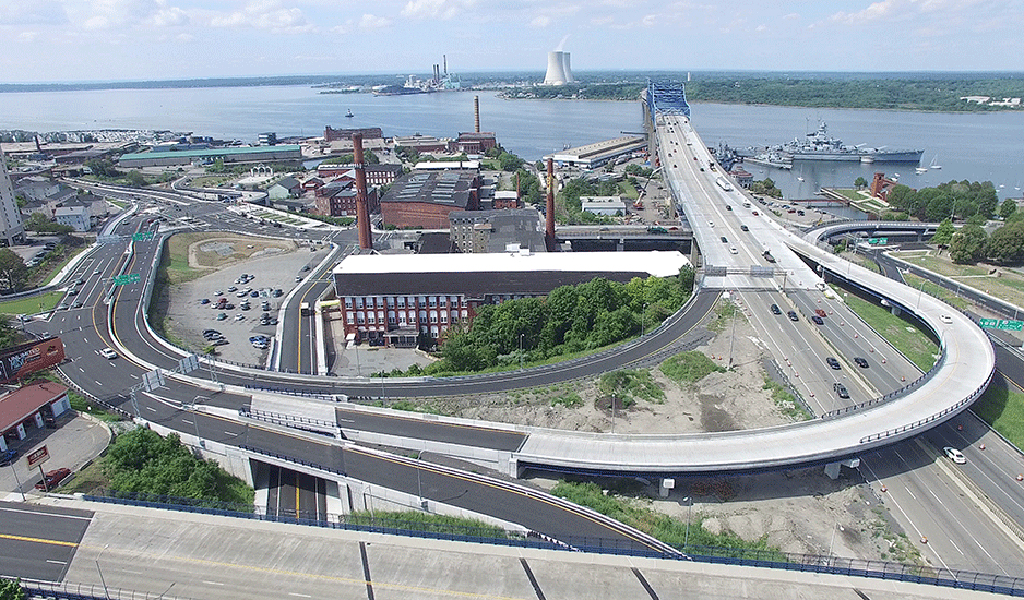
(920, 170)
(799, 178)
(933, 165)
(349, 115)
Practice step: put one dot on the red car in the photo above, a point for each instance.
(53, 479)
(819, 312)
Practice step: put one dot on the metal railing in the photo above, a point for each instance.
(81, 591)
(283, 419)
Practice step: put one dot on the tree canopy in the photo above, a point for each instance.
(570, 319)
(968, 244)
(960, 199)
(12, 269)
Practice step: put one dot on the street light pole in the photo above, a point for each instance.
(521, 351)
(643, 321)
(689, 506)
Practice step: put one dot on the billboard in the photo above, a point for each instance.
(18, 361)
(37, 457)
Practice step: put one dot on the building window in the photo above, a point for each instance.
(433, 302)
(359, 302)
(370, 319)
(465, 314)
(444, 316)
(455, 316)
(401, 302)
(433, 316)
(423, 316)
(423, 302)
(380, 316)
(348, 302)
(401, 318)
(350, 317)
(361, 317)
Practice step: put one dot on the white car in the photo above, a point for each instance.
(108, 353)
(955, 455)
(946, 319)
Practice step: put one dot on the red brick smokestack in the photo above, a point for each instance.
(519, 194)
(362, 210)
(476, 111)
(549, 237)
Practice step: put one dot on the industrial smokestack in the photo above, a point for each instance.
(549, 235)
(362, 210)
(567, 68)
(476, 111)
(556, 69)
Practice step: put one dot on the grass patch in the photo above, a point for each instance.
(935, 291)
(568, 401)
(118, 203)
(725, 312)
(410, 406)
(901, 333)
(639, 514)
(87, 480)
(849, 194)
(1002, 407)
(32, 304)
(629, 385)
(863, 261)
(689, 367)
(626, 190)
(785, 401)
(419, 521)
(174, 267)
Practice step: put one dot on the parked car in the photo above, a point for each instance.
(833, 363)
(53, 478)
(7, 457)
(954, 455)
(744, 228)
(840, 390)
(232, 289)
(254, 294)
(265, 305)
(204, 300)
(221, 316)
(218, 293)
(278, 293)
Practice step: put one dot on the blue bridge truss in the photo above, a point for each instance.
(668, 97)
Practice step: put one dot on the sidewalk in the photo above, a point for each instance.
(76, 441)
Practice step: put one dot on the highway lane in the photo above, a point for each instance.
(482, 437)
(38, 542)
(948, 527)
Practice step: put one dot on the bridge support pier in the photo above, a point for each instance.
(832, 469)
(666, 487)
(513, 468)
(896, 311)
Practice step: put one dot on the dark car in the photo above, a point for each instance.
(861, 362)
(744, 228)
(833, 363)
(776, 310)
(817, 320)
(724, 240)
(254, 294)
(7, 457)
(840, 390)
(792, 316)
(53, 479)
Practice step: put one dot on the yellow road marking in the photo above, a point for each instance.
(22, 538)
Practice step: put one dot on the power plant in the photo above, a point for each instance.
(559, 69)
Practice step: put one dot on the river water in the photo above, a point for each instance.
(974, 146)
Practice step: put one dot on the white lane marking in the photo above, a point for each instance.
(151, 408)
(45, 514)
(211, 582)
(98, 383)
(233, 434)
(298, 595)
(187, 421)
(347, 420)
(56, 562)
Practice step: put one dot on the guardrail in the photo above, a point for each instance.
(292, 459)
(772, 559)
(81, 591)
(283, 419)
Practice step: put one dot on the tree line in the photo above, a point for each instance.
(959, 199)
(571, 319)
(971, 243)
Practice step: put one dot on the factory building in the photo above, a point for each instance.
(599, 153)
(425, 199)
(559, 70)
(375, 174)
(495, 230)
(336, 135)
(398, 299)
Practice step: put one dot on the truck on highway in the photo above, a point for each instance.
(304, 309)
(725, 185)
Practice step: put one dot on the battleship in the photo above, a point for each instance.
(818, 145)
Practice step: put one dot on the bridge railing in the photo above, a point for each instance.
(82, 591)
(774, 559)
(283, 419)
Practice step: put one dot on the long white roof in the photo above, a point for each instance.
(656, 263)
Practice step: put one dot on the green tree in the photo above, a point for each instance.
(968, 245)
(135, 178)
(861, 183)
(901, 197)
(1007, 244)
(1008, 208)
(10, 589)
(12, 269)
(944, 232)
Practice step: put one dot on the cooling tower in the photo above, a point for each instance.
(556, 69)
(566, 68)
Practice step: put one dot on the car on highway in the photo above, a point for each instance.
(954, 455)
(744, 228)
(53, 478)
(108, 353)
(776, 310)
(792, 316)
(946, 319)
(819, 312)
(840, 390)
(833, 363)
(72, 292)
(817, 320)
(62, 306)
(76, 304)
(861, 362)
(733, 250)
(724, 240)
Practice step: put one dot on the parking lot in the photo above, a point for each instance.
(192, 306)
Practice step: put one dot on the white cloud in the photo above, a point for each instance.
(791, 17)
(874, 12)
(368, 22)
(540, 21)
(265, 14)
(761, 28)
(170, 17)
(436, 9)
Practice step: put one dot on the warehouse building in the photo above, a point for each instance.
(393, 299)
(228, 155)
(426, 199)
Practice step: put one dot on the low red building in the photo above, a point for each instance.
(30, 406)
(425, 199)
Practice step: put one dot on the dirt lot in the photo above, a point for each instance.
(274, 263)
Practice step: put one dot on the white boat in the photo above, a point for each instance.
(895, 175)
(799, 178)
(920, 170)
(933, 165)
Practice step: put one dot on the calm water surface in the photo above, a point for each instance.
(982, 146)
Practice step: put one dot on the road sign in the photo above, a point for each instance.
(878, 240)
(142, 236)
(999, 324)
(127, 278)
(37, 456)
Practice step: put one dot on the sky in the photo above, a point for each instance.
(116, 40)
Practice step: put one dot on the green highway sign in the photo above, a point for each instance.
(878, 240)
(998, 324)
(127, 279)
(142, 236)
